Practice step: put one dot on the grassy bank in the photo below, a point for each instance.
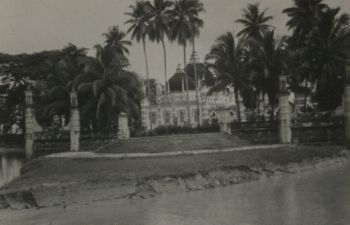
(63, 181)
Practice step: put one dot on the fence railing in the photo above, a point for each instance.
(318, 121)
(262, 132)
(329, 130)
(49, 142)
(12, 139)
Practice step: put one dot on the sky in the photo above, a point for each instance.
(28, 26)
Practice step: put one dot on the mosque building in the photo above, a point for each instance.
(170, 107)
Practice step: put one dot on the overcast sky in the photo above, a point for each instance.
(36, 25)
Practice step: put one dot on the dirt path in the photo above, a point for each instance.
(91, 155)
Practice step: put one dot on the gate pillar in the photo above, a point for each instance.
(29, 124)
(74, 122)
(123, 127)
(285, 131)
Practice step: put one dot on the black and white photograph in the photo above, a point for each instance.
(174, 112)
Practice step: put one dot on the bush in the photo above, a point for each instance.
(171, 130)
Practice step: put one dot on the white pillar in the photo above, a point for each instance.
(29, 124)
(74, 123)
(123, 127)
(285, 130)
(145, 117)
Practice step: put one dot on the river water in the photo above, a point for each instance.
(319, 197)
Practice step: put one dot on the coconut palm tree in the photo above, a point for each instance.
(269, 61)
(254, 24)
(59, 82)
(116, 38)
(139, 21)
(304, 15)
(229, 63)
(197, 23)
(160, 27)
(330, 43)
(184, 25)
(106, 88)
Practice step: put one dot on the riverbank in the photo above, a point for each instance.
(47, 182)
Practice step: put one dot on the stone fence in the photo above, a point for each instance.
(40, 141)
(318, 130)
(257, 132)
(46, 143)
(304, 131)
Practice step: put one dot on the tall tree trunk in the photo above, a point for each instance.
(305, 96)
(186, 85)
(196, 80)
(237, 104)
(148, 86)
(165, 69)
(258, 104)
(272, 105)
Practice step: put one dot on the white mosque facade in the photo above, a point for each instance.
(171, 109)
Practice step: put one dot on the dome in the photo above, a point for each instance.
(175, 82)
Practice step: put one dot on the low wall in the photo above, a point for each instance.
(257, 132)
(49, 146)
(12, 140)
(312, 131)
(55, 143)
(304, 131)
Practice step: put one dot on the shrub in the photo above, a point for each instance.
(171, 129)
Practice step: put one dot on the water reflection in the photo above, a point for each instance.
(10, 166)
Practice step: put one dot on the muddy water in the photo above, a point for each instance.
(320, 197)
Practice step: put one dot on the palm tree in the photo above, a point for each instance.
(330, 43)
(304, 15)
(106, 88)
(254, 24)
(254, 27)
(197, 23)
(269, 61)
(116, 38)
(59, 82)
(229, 62)
(140, 28)
(184, 25)
(159, 28)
